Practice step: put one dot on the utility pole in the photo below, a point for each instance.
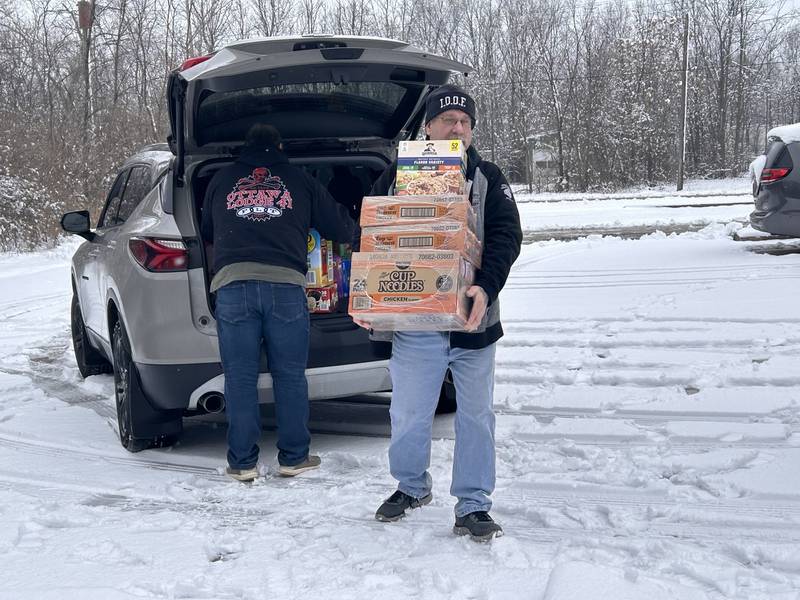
(85, 22)
(684, 101)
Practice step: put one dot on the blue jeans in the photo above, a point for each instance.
(247, 313)
(418, 365)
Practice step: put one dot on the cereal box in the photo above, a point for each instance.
(322, 299)
(401, 210)
(317, 274)
(440, 235)
(431, 167)
(411, 290)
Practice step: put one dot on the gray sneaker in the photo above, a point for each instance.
(311, 462)
(244, 475)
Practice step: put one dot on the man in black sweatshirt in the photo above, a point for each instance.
(420, 359)
(258, 212)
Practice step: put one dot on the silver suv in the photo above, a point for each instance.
(141, 306)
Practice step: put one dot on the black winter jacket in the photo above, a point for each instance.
(501, 234)
(260, 209)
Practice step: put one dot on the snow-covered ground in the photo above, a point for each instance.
(648, 399)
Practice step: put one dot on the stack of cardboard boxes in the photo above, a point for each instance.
(418, 248)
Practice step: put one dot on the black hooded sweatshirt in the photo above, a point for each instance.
(260, 208)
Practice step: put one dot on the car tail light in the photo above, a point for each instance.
(196, 60)
(770, 175)
(159, 255)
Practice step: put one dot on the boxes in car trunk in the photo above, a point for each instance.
(411, 290)
(401, 210)
(440, 235)
(431, 167)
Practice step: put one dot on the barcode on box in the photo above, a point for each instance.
(362, 303)
(418, 212)
(424, 241)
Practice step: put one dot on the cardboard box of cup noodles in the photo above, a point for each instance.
(411, 291)
(402, 210)
(439, 235)
(431, 167)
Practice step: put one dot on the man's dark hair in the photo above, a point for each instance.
(262, 135)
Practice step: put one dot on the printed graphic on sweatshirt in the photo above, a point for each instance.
(507, 191)
(260, 196)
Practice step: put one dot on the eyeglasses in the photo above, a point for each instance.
(466, 122)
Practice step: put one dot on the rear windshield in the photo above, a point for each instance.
(778, 155)
(307, 110)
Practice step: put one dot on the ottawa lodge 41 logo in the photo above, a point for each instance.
(260, 196)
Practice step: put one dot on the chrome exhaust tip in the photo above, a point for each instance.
(212, 403)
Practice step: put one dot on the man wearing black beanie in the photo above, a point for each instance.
(421, 359)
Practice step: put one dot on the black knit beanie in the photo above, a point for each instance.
(449, 97)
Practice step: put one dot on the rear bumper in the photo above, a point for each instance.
(179, 387)
(777, 222)
(323, 382)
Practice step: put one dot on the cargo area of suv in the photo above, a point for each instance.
(335, 339)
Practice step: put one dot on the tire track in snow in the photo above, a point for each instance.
(46, 372)
(44, 448)
(12, 310)
(591, 514)
(552, 283)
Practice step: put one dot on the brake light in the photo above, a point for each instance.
(159, 255)
(771, 175)
(196, 60)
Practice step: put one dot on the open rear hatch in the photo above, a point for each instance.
(326, 91)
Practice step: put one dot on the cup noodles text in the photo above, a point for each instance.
(440, 235)
(401, 210)
(411, 291)
(431, 167)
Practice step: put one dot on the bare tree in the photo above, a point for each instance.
(274, 16)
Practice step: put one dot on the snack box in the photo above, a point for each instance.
(411, 291)
(317, 259)
(328, 251)
(431, 167)
(322, 299)
(439, 235)
(401, 210)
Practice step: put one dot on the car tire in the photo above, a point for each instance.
(90, 360)
(140, 426)
(447, 399)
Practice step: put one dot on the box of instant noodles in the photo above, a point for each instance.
(402, 210)
(431, 167)
(411, 291)
(441, 235)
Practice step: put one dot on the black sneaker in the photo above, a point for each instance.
(479, 526)
(394, 507)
